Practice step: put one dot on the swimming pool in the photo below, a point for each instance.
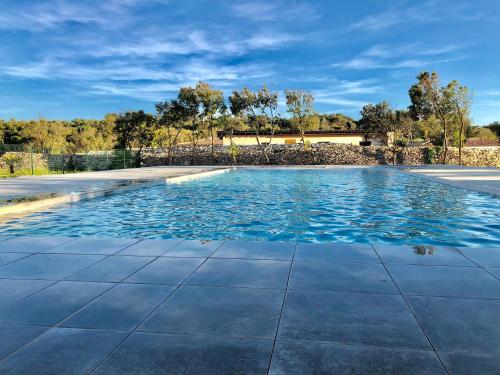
(373, 204)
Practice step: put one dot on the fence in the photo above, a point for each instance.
(16, 160)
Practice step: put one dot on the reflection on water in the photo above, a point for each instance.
(315, 205)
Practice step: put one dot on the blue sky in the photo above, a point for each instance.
(63, 59)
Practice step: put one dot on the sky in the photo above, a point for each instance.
(64, 59)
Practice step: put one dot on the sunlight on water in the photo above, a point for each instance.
(313, 205)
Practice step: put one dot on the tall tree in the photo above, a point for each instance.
(171, 118)
(212, 102)
(429, 98)
(261, 109)
(135, 129)
(300, 105)
(461, 99)
(189, 105)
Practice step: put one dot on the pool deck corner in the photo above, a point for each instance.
(481, 179)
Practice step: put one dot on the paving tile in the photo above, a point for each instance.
(93, 245)
(171, 271)
(423, 255)
(14, 337)
(256, 250)
(150, 247)
(194, 248)
(336, 252)
(31, 244)
(348, 277)
(112, 269)
(301, 357)
(13, 290)
(121, 308)
(5, 238)
(458, 324)
(47, 266)
(11, 257)
(219, 312)
(52, 304)
(63, 351)
(466, 363)
(495, 271)
(148, 353)
(486, 257)
(355, 318)
(443, 281)
(242, 273)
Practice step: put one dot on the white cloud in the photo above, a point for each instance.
(265, 11)
(429, 11)
(49, 14)
(414, 55)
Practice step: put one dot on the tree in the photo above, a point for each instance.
(171, 118)
(135, 129)
(300, 105)
(429, 98)
(461, 99)
(376, 119)
(188, 103)
(229, 121)
(261, 109)
(212, 102)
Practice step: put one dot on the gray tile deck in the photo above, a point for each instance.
(62, 351)
(90, 245)
(256, 250)
(444, 281)
(170, 271)
(194, 248)
(242, 273)
(11, 257)
(121, 308)
(310, 357)
(219, 312)
(48, 266)
(423, 255)
(15, 337)
(112, 269)
(51, 305)
(485, 257)
(150, 247)
(343, 277)
(357, 253)
(353, 318)
(466, 364)
(211, 307)
(148, 353)
(31, 244)
(460, 324)
(13, 290)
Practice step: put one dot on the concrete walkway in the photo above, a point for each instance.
(57, 185)
(485, 180)
(124, 306)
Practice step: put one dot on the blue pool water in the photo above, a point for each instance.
(314, 205)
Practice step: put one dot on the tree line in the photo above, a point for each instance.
(439, 114)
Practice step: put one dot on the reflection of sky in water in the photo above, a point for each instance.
(345, 205)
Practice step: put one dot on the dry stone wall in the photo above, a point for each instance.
(320, 155)
(251, 155)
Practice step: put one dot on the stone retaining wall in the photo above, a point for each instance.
(322, 155)
(251, 155)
